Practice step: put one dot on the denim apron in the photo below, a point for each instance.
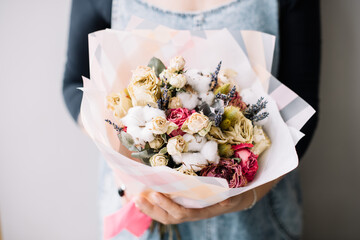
(276, 216)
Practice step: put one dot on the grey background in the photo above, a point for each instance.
(48, 168)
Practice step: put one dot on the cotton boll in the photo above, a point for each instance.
(150, 113)
(177, 159)
(188, 100)
(195, 142)
(135, 117)
(195, 161)
(146, 135)
(207, 97)
(210, 152)
(135, 132)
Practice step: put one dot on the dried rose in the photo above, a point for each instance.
(157, 143)
(249, 164)
(237, 102)
(119, 103)
(176, 145)
(178, 116)
(159, 125)
(186, 171)
(197, 123)
(177, 63)
(158, 160)
(177, 80)
(144, 87)
(242, 132)
(229, 169)
(174, 102)
(217, 135)
(261, 140)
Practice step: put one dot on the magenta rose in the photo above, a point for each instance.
(178, 116)
(227, 168)
(249, 164)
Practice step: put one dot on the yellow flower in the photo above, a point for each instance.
(119, 103)
(197, 123)
(144, 87)
(217, 135)
(158, 160)
(176, 145)
(174, 102)
(241, 132)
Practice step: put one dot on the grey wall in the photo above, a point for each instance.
(48, 168)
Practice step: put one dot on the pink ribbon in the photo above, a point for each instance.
(128, 217)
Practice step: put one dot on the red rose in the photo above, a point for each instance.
(178, 116)
(249, 164)
(229, 169)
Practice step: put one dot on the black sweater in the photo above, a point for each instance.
(299, 52)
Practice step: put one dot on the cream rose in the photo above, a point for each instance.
(197, 123)
(176, 145)
(186, 171)
(144, 87)
(157, 143)
(174, 102)
(119, 103)
(177, 63)
(158, 160)
(261, 141)
(178, 80)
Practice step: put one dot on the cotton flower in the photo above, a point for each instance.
(188, 100)
(195, 142)
(198, 80)
(134, 117)
(210, 152)
(194, 161)
(207, 97)
(150, 113)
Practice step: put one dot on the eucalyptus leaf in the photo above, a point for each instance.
(157, 64)
(163, 150)
(144, 155)
(127, 141)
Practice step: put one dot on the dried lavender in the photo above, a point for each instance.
(252, 111)
(116, 127)
(214, 77)
(164, 100)
(218, 118)
(227, 97)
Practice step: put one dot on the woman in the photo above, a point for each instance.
(295, 23)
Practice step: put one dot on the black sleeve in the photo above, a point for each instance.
(300, 56)
(86, 16)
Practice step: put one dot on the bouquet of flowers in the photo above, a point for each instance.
(205, 130)
(194, 121)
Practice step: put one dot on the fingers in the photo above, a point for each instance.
(153, 211)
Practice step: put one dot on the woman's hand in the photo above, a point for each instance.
(164, 210)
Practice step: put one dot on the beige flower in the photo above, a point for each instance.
(197, 123)
(176, 145)
(159, 125)
(261, 141)
(174, 102)
(217, 135)
(144, 87)
(157, 143)
(227, 75)
(158, 160)
(177, 63)
(186, 171)
(119, 103)
(178, 80)
(242, 132)
(166, 74)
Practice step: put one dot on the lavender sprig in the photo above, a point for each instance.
(218, 118)
(116, 127)
(227, 97)
(214, 77)
(252, 111)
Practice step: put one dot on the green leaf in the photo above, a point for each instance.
(163, 150)
(144, 155)
(127, 140)
(163, 136)
(237, 159)
(157, 64)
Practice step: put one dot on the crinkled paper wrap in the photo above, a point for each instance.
(114, 54)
